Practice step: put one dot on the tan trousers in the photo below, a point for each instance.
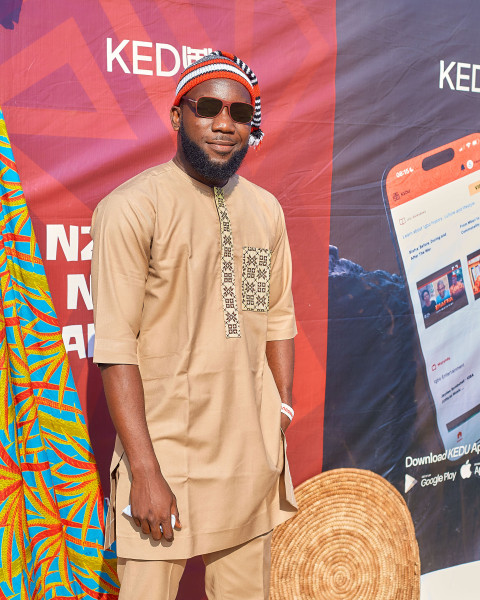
(240, 573)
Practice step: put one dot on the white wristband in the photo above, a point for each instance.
(287, 410)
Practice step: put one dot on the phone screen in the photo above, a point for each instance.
(433, 202)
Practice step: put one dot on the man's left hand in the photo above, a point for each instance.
(284, 422)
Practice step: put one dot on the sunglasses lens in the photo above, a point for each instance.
(209, 107)
(241, 112)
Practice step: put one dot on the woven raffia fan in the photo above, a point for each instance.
(352, 539)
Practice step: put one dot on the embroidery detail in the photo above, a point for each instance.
(229, 298)
(256, 278)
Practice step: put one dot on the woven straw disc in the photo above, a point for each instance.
(352, 539)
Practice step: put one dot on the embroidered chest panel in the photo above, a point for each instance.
(229, 298)
(256, 278)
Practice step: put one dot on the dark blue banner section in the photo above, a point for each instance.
(403, 350)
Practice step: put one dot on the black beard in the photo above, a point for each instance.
(204, 166)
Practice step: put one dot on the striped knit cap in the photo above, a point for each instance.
(224, 65)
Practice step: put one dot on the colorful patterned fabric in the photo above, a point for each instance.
(51, 503)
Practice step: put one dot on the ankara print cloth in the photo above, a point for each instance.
(51, 503)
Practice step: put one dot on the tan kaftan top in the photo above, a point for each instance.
(189, 282)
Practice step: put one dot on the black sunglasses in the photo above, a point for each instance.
(208, 108)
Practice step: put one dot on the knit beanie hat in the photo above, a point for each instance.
(220, 64)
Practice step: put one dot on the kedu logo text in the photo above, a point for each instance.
(459, 76)
(147, 58)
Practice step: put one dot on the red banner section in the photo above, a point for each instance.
(86, 96)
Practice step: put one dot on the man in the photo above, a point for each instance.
(428, 306)
(457, 289)
(194, 334)
(443, 293)
(476, 286)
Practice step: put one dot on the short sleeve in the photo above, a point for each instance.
(281, 314)
(122, 230)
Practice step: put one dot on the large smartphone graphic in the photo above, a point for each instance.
(433, 204)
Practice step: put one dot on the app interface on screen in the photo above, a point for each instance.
(438, 235)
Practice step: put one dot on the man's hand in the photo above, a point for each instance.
(285, 422)
(151, 500)
(281, 357)
(152, 504)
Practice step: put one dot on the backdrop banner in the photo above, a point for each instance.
(401, 395)
(371, 147)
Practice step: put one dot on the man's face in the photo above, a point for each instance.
(441, 289)
(212, 147)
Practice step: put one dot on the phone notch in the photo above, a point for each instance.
(438, 159)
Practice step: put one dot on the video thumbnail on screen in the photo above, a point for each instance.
(473, 262)
(442, 293)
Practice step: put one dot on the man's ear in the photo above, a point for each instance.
(175, 113)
